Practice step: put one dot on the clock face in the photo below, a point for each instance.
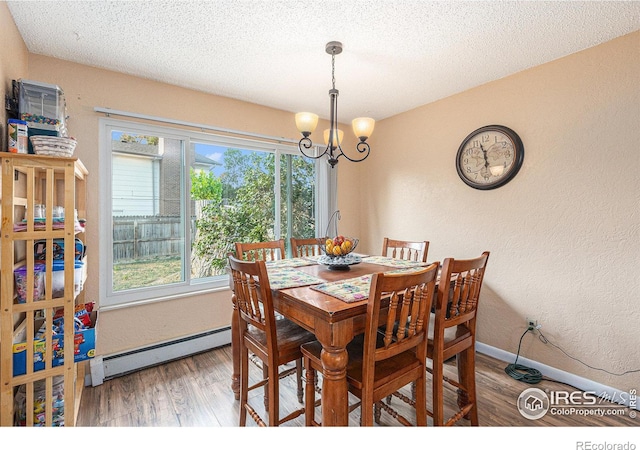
(489, 157)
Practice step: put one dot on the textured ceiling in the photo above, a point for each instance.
(397, 54)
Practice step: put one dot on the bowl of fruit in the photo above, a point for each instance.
(337, 252)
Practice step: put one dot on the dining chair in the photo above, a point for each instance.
(387, 356)
(409, 250)
(301, 247)
(265, 251)
(269, 251)
(453, 333)
(274, 342)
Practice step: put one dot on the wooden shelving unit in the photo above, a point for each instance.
(29, 180)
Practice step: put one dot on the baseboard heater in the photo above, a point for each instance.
(115, 365)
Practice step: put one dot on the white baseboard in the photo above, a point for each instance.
(584, 384)
(110, 366)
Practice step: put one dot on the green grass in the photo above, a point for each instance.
(137, 274)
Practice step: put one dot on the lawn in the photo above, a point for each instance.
(137, 274)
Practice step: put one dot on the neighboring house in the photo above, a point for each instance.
(204, 164)
(144, 184)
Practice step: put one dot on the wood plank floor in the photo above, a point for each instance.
(195, 392)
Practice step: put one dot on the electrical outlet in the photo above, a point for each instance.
(532, 324)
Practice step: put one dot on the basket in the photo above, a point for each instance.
(53, 145)
(326, 248)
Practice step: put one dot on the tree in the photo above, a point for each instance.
(244, 212)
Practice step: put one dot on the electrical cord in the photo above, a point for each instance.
(544, 340)
(520, 372)
(533, 376)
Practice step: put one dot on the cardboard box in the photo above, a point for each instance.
(84, 348)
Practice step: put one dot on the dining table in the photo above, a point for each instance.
(331, 302)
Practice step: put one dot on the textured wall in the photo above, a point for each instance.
(564, 234)
(13, 63)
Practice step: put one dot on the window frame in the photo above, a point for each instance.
(324, 194)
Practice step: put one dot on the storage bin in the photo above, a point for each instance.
(20, 275)
(43, 107)
(44, 103)
(40, 249)
(58, 278)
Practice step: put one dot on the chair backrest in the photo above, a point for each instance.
(253, 297)
(406, 298)
(264, 251)
(409, 250)
(305, 247)
(457, 300)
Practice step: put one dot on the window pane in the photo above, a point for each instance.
(147, 218)
(233, 201)
(297, 197)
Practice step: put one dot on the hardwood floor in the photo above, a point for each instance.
(195, 392)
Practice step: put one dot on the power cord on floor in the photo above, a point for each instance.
(532, 376)
(520, 372)
(544, 340)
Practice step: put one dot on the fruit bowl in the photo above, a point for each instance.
(336, 252)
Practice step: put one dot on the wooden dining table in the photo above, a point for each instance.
(334, 322)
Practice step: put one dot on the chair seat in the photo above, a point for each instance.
(453, 336)
(385, 371)
(290, 337)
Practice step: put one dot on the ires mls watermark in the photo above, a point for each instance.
(534, 403)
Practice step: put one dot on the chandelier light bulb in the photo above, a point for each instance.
(363, 127)
(336, 140)
(306, 122)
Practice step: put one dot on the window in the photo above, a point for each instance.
(177, 201)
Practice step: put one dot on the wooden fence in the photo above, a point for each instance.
(141, 237)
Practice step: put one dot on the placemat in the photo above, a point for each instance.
(289, 262)
(288, 277)
(393, 262)
(350, 290)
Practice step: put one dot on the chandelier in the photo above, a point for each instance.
(307, 122)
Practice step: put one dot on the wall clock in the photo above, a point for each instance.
(489, 157)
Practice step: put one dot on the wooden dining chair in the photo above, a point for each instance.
(453, 333)
(409, 250)
(387, 356)
(269, 251)
(305, 247)
(275, 342)
(265, 251)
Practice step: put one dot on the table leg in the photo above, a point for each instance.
(334, 357)
(235, 350)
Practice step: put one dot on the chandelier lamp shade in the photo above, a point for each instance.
(307, 123)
